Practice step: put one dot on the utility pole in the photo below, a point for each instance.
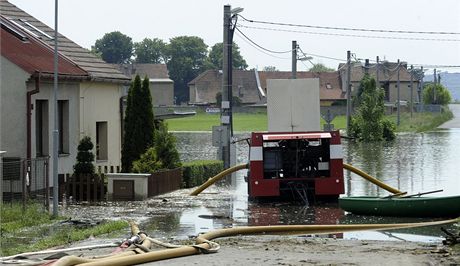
(348, 90)
(377, 73)
(294, 59)
(366, 66)
(434, 87)
(56, 130)
(421, 85)
(411, 90)
(399, 99)
(226, 88)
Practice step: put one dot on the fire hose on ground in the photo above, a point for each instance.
(345, 166)
(204, 242)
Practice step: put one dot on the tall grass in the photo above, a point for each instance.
(14, 217)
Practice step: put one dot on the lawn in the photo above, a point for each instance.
(241, 122)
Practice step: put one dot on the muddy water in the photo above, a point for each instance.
(415, 162)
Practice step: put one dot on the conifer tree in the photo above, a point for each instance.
(139, 124)
(85, 157)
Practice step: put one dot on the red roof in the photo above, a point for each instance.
(33, 55)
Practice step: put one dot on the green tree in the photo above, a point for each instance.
(369, 123)
(436, 94)
(85, 157)
(138, 123)
(216, 54)
(150, 51)
(147, 163)
(165, 146)
(318, 67)
(114, 47)
(186, 57)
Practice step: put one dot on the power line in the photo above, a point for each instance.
(351, 35)
(268, 50)
(262, 51)
(349, 29)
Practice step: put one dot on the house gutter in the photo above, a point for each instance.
(29, 113)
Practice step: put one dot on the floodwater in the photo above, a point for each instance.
(415, 162)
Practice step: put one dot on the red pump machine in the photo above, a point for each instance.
(307, 165)
(294, 158)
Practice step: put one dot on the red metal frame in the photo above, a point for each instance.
(330, 186)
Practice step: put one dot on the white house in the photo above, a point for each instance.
(89, 94)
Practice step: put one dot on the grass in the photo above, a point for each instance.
(258, 122)
(420, 122)
(241, 122)
(34, 229)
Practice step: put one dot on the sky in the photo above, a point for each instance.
(85, 21)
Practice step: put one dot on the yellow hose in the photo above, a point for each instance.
(202, 240)
(217, 177)
(372, 179)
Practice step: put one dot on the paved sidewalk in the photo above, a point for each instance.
(454, 122)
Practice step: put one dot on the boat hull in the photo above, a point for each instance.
(403, 207)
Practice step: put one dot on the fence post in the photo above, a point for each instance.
(88, 187)
(80, 185)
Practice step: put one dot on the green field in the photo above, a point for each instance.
(258, 122)
(241, 122)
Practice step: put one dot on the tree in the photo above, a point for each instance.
(369, 124)
(320, 68)
(138, 124)
(186, 57)
(270, 69)
(114, 47)
(150, 51)
(216, 55)
(85, 157)
(436, 94)
(165, 147)
(163, 156)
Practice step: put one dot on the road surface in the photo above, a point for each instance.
(454, 122)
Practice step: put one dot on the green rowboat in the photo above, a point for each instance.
(403, 207)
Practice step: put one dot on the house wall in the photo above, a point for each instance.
(404, 92)
(13, 97)
(162, 93)
(100, 102)
(66, 91)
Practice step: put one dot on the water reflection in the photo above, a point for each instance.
(413, 163)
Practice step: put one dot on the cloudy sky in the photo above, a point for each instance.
(84, 21)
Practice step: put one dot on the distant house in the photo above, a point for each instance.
(161, 86)
(250, 86)
(388, 79)
(89, 93)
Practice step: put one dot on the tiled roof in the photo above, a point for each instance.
(153, 71)
(209, 83)
(388, 71)
(96, 67)
(329, 82)
(32, 55)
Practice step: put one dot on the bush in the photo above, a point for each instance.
(197, 172)
(148, 163)
(442, 95)
(389, 129)
(165, 146)
(85, 157)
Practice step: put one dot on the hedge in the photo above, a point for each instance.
(197, 172)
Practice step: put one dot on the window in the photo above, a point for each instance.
(41, 128)
(63, 126)
(101, 141)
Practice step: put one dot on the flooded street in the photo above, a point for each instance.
(415, 162)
